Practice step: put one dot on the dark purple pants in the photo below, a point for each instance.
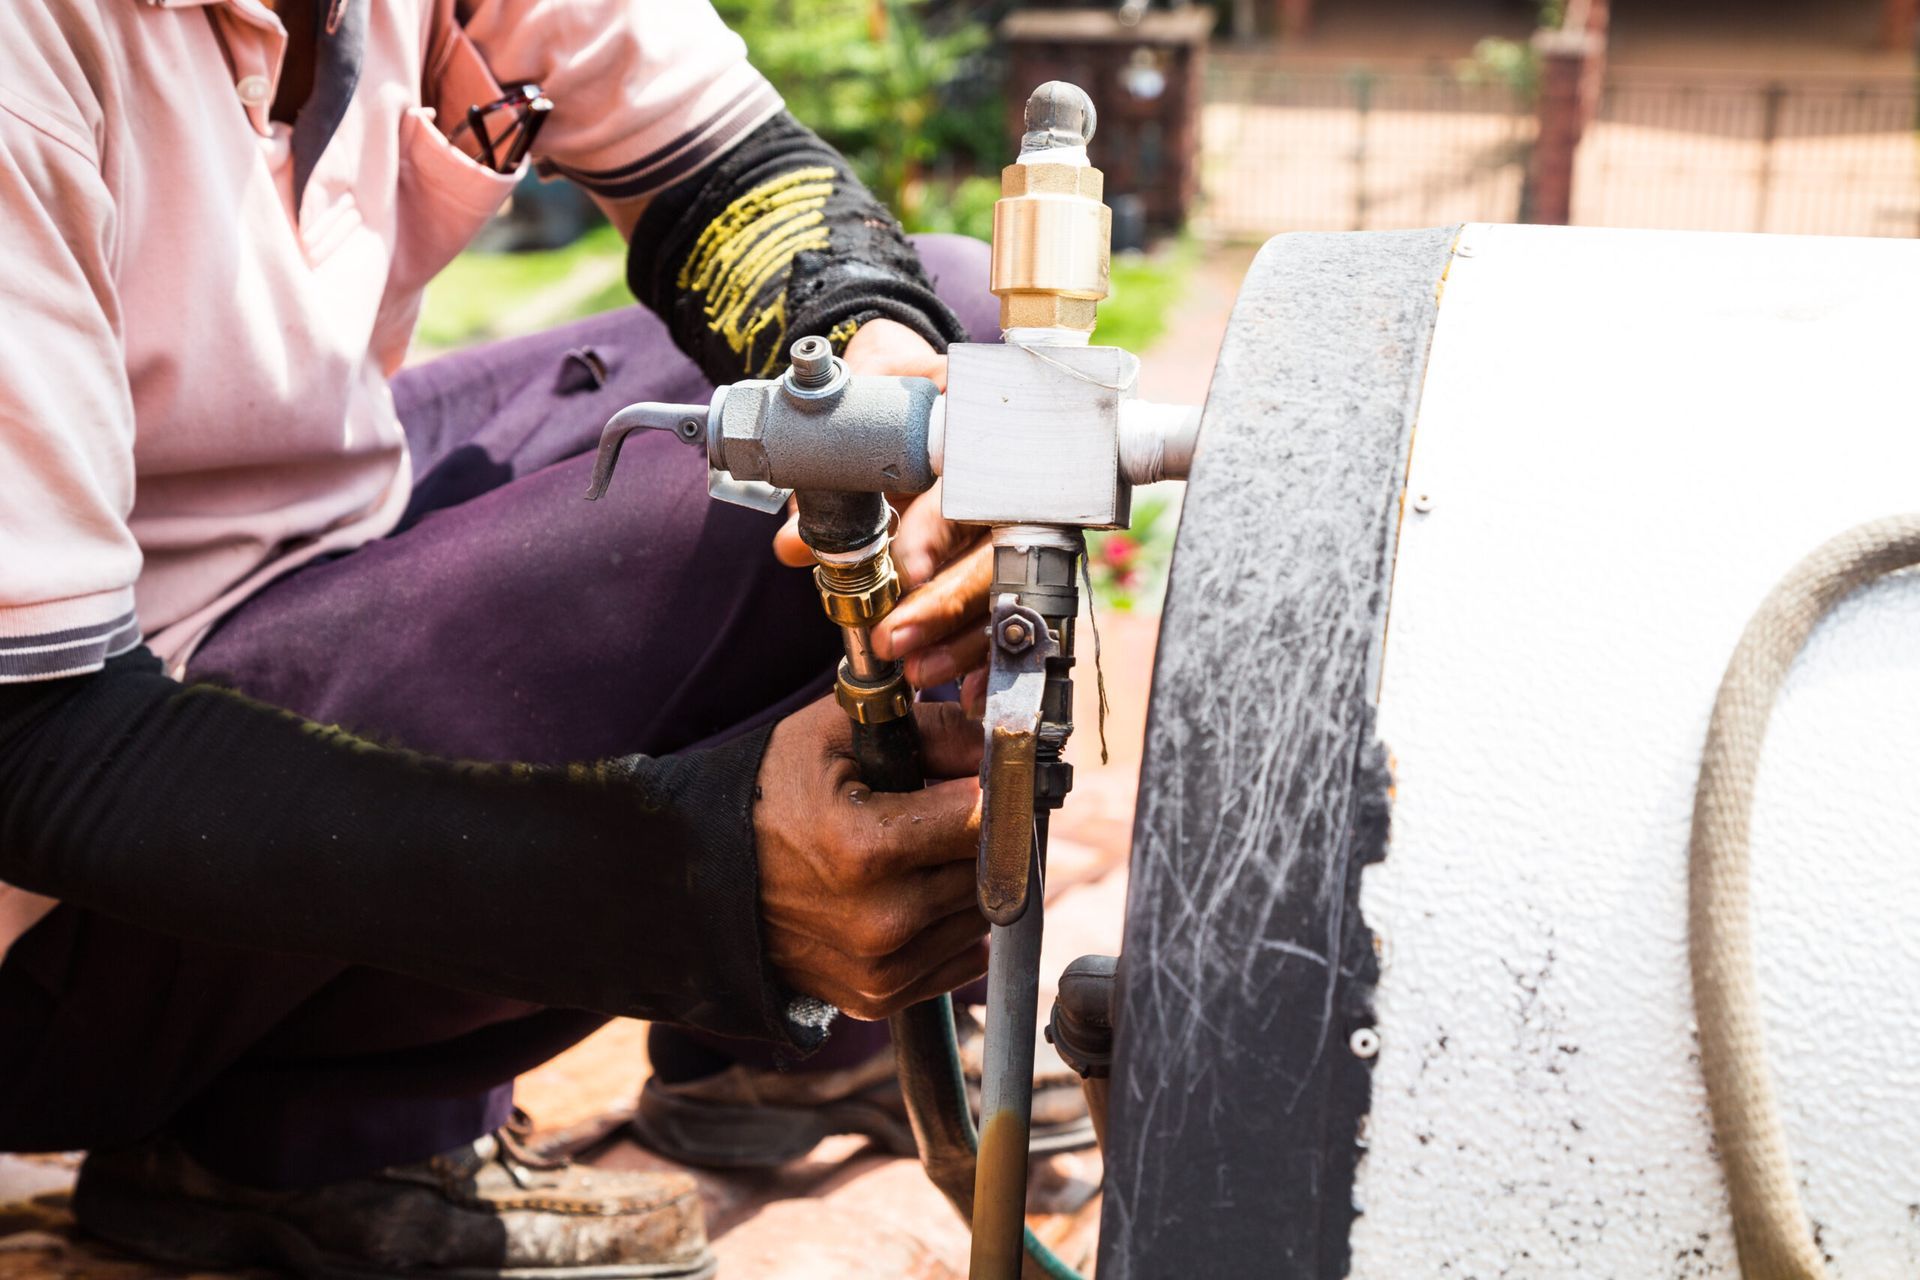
(506, 619)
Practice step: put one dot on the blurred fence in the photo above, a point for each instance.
(1286, 148)
(1790, 156)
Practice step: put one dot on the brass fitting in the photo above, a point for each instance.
(1052, 236)
(872, 703)
(859, 594)
(1052, 246)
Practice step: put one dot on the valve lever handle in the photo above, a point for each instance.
(1016, 688)
(688, 422)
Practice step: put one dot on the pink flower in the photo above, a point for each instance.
(1119, 550)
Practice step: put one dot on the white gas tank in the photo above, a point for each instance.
(1520, 488)
(1624, 440)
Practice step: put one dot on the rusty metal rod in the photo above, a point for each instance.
(1006, 1092)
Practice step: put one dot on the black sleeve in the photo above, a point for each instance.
(626, 887)
(777, 241)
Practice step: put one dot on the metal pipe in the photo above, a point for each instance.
(1081, 1029)
(1006, 1090)
(862, 663)
(1037, 566)
(1157, 441)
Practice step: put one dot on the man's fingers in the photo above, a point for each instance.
(945, 954)
(787, 547)
(973, 693)
(926, 539)
(950, 743)
(943, 891)
(955, 597)
(891, 926)
(889, 347)
(895, 832)
(952, 951)
(936, 664)
(931, 948)
(955, 972)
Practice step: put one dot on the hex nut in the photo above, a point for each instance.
(1014, 635)
(1047, 179)
(864, 607)
(872, 704)
(1046, 311)
(743, 419)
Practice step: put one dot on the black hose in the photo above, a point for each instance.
(888, 755)
(925, 1047)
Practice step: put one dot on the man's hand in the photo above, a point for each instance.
(939, 628)
(868, 898)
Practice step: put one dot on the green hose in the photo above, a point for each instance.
(927, 1052)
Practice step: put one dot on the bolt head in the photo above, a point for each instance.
(812, 359)
(1014, 635)
(1364, 1042)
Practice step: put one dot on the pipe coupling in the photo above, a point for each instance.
(858, 594)
(1052, 240)
(872, 703)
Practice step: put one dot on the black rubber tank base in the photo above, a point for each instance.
(1238, 1095)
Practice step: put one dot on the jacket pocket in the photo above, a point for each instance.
(444, 198)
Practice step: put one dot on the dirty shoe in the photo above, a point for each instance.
(750, 1117)
(490, 1209)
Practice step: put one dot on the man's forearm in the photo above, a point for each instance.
(626, 887)
(775, 241)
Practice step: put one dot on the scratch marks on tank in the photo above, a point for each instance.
(1264, 793)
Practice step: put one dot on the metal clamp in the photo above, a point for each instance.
(1016, 687)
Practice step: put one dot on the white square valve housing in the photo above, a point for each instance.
(1033, 435)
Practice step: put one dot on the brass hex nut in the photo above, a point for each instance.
(1047, 311)
(861, 607)
(1052, 180)
(872, 704)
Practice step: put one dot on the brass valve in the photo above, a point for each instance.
(1052, 235)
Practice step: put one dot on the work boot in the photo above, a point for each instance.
(752, 1117)
(486, 1210)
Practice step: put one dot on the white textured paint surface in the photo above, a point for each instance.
(1626, 438)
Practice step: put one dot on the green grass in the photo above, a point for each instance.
(474, 296)
(1146, 286)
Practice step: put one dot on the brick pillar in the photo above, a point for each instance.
(1564, 104)
(1295, 18)
(1899, 24)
